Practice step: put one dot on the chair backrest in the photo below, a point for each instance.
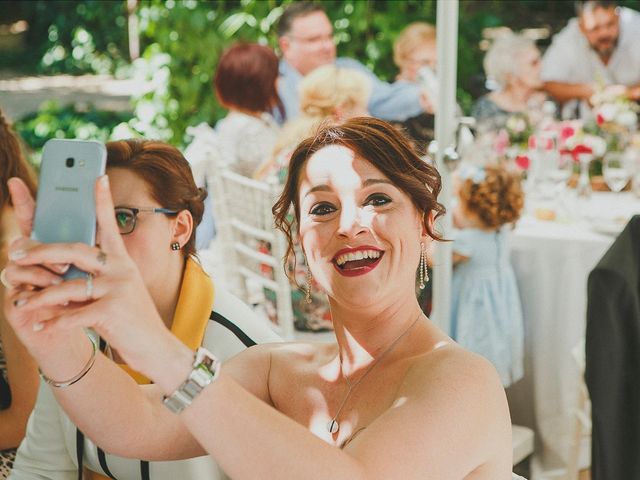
(253, 248)
(203, 153)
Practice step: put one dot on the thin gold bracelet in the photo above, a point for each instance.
(76, 378)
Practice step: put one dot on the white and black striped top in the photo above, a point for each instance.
(51, 445)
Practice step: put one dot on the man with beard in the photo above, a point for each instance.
(599, 47)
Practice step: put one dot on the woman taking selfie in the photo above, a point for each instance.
(394, 397)
(157, 207)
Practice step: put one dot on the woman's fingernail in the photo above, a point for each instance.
(62, 268)
(65, 304)
(104, 181)
(17, 255)
(19, 302)
(56, 281)
(37, 326)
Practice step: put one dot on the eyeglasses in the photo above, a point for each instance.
(315, 40)
(126, 216)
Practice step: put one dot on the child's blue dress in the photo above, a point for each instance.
(486, 314)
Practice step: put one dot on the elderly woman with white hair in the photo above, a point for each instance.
(513, 65)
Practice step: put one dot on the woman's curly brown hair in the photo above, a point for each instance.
(496, 200)
(385, 148)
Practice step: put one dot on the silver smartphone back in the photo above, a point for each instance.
(66, 209)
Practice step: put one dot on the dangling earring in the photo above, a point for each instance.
(175, 246)
(422, 268)
(307, 296)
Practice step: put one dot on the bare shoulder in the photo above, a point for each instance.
(455, 364)
(456, 374)
(460, 387)
(301, 355)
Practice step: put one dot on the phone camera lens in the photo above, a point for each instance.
(70, 162)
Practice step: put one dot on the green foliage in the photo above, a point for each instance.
(182, 41)
(53, 121)
(70, 36)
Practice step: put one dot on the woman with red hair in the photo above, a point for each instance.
(245, 83)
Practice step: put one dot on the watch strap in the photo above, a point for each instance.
(206, 369)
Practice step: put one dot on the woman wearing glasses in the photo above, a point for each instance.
(157, 207)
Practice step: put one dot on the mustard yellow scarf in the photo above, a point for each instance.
(192, 311)
(189, 320)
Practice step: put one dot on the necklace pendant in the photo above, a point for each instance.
(333, 426)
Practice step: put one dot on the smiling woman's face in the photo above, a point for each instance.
(361, 234)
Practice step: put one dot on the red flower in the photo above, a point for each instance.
(599, 119)
(523, 162)
(576, 151)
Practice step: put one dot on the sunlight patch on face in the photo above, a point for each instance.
(334, 167)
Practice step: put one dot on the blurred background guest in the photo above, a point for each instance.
(415, 54)
(512, 64)
(245, 83)
(486, 315)
(305, 38)
(414, 49)
(599, 46)
(328, 94)
(18, 372)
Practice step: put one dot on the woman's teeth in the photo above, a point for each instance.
(359, 255)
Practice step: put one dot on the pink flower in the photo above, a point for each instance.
(523, 162)
(566, 132)
(501, 143)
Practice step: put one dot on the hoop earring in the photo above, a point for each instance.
(307, 293)
(175, 246)
(422, 268)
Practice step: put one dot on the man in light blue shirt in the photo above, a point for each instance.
(306, 41)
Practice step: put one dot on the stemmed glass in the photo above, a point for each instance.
(560, 170)
(617, 170)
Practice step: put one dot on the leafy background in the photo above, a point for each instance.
(181, 42)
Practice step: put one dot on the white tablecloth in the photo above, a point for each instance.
(552, 260)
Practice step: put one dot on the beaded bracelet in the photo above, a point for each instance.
(76, 378)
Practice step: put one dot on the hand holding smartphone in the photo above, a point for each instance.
(66, 208)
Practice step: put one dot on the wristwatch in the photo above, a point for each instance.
(206, 369)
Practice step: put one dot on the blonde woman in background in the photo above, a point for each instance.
(415, 55)
(18, 373)
(328, 94)
(414, 49)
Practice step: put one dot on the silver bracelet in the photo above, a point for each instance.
(75, 378)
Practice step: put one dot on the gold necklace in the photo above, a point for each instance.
(333, 426)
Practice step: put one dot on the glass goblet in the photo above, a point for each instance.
(616, 171)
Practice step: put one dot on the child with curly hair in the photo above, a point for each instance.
(486, 315)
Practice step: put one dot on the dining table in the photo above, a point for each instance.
(559, 239)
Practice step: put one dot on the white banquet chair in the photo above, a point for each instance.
(250, 248)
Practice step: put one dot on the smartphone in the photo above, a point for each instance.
(66, 207)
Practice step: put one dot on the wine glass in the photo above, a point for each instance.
(561, 169)
(616, 170)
